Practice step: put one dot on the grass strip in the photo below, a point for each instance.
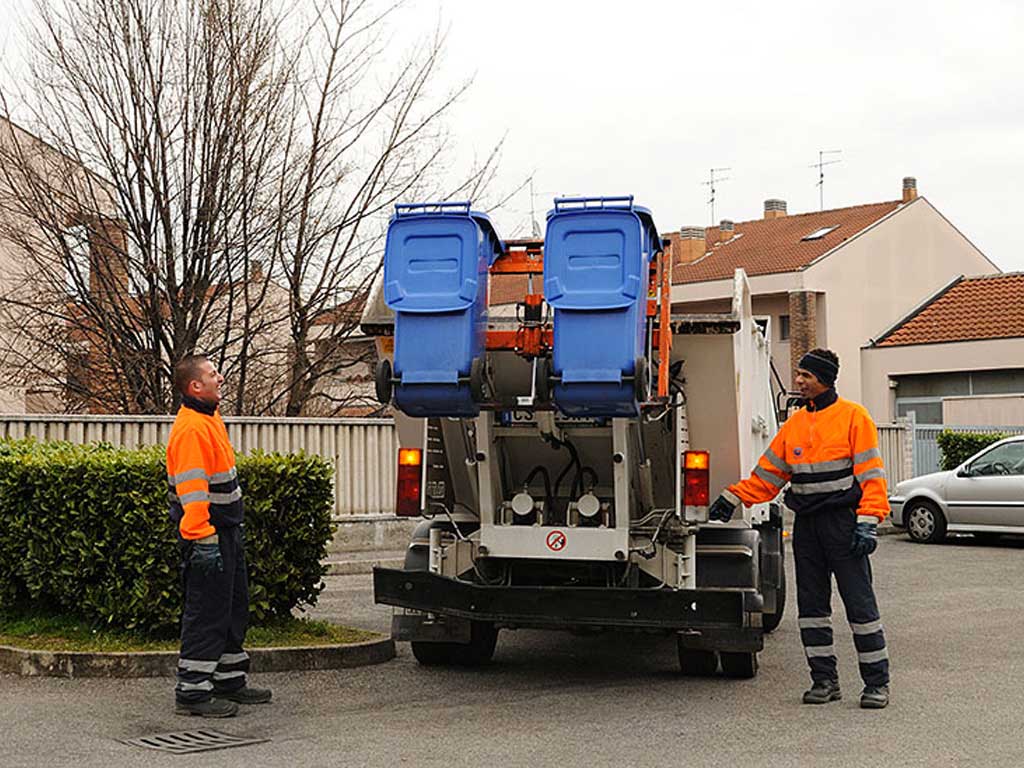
(67, 633)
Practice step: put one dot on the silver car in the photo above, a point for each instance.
(983, 496)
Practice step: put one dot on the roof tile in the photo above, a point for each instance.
(769, 246)
(990, 307)
(760, 247)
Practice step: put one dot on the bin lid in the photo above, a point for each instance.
(596, 251)
(432, 256)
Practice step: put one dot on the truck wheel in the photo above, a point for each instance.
(771, 621)
(741, 666)
(434, 654)
(483, 639)
(695, 663)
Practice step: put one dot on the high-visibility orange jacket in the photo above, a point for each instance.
(204, 494)
(828, 453)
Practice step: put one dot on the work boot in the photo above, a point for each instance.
(248, 695)
(822, 692)
(874, 697)
(208, 708)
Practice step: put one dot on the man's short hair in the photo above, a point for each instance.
(186, 371)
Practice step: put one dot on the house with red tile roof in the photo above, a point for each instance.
(957, 358)
(833, 278)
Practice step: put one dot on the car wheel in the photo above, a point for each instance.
(925, 522)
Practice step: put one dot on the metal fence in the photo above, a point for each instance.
(896, 444)
(363, 451)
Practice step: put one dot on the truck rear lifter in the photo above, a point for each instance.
(561, 446)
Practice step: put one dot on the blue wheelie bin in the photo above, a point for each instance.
(436, 260)
(597, 253)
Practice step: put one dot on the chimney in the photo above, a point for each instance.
(692, 245)
(725, 230)
(909, 188)
(774, 209)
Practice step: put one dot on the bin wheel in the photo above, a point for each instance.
(640, 379)
(479, 389)
(382, 382)
(696, 663)
(544, 371)
(738, 665)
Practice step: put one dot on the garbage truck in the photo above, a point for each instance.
(562, 447)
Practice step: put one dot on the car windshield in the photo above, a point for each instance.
(1005, 459)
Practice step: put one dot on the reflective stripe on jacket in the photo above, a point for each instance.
(203, 490)
(830, 458)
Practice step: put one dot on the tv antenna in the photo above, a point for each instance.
(820, 165)
(712, 180)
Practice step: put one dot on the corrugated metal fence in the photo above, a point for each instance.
(362, 450)
(896, 444)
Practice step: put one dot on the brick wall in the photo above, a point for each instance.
(803, 324)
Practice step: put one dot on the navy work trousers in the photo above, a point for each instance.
(821, 547)
(213, 623)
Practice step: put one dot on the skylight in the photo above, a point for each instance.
(819, 233)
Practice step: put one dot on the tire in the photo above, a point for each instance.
(695, 663)
(434, 654)
(476, 653)
(478, 388)
(771, 621)
(924, 521)
(739, 666)
(382, 383)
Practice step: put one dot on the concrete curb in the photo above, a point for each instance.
(72, 664)
(361, 567)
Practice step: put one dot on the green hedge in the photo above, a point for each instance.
(958, 447)
(85, 530)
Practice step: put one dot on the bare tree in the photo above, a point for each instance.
(208, 177)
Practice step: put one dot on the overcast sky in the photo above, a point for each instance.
(646, 97)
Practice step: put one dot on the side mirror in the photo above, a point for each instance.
(964, 472)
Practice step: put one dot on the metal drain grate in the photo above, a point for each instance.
(184, 742)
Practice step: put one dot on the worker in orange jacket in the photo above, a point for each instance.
(828, 454)
(206, 506)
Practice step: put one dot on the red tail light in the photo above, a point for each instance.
(696, 478)
(410, 474)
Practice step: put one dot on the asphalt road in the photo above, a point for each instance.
(954, 615)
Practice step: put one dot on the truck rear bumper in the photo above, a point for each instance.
(718, 618)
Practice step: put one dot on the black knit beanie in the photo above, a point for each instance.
(824, 369)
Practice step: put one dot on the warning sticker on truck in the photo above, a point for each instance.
(556, 541)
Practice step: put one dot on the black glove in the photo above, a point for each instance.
(206, 559)
(865, 538)
(721, 509)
